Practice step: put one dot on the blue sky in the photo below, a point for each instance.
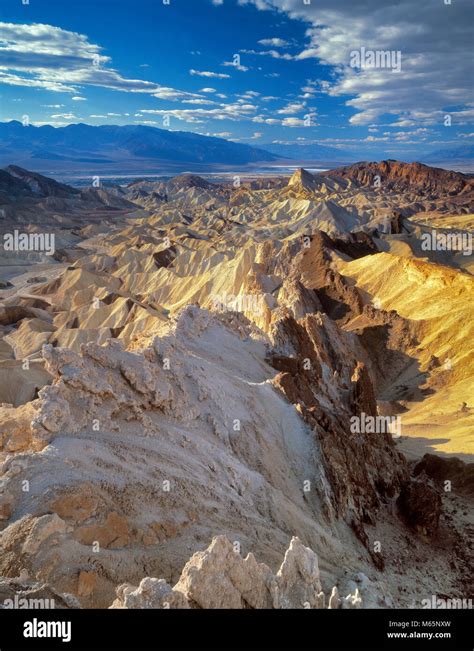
(254, 71)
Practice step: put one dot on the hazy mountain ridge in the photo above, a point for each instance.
(82, 142)
(111, 148)
(463, 152)
(325, 153)
(309, 152)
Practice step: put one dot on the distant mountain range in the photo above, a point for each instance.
(81, 148)
(314, 152)
(80, 145)
(465, 152)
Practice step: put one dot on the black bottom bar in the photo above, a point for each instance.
(160, 630)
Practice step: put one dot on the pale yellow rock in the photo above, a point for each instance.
(47, 528)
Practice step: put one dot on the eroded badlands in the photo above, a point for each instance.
(181, 375)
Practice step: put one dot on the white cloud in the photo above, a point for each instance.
(273, 42)
(19, 80)
(199, 101)
(77, 98)
(309, 119)
(433, 38)
(270, 53)
(47, 57)
(207, 73)
(292, 108)
(237, 66)
(261, 119)
(171, 94)
(234, 112)
(65, 116)
(292, 122)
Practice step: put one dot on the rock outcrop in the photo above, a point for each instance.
(420, 506)
(329, 386)
(220, 578)
(454, 471)
(397, 176)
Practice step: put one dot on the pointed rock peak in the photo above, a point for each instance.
(189, 181)
(303, 178)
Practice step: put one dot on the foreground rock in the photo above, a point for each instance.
(220, 578)
(134, 458)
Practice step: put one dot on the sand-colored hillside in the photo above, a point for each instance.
(441, 303)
